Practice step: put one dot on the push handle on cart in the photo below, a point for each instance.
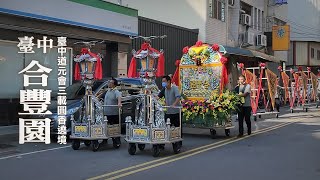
(176, 107)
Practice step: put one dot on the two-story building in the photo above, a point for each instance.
(304, 19)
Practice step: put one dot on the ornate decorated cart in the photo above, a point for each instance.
(289, 87)
(149, 125)
(202, 76)
(263, 89)
(306, 84)
(92, 126)
(301, 89)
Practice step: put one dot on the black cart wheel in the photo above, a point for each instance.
(155, 150)
(291, 110)
(176, 147)
(141, 147)
(306, 109)
(227, 132)
(95, 145)
(277, 116)
(132, 149)
(255, 118)
(213, 133)
(75, 144)
(116, 142)
(260, 116)
(87, 143)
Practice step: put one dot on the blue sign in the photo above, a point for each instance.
(280, 2)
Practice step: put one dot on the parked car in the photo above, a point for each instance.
(75, 92)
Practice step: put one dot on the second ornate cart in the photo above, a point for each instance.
(149, 125)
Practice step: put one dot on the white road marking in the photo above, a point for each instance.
(34, 152)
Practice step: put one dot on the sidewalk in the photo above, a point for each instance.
(9, 134)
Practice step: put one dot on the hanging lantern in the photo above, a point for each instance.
(88, 66)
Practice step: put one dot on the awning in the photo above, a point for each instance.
(265, 56)
(238, 51)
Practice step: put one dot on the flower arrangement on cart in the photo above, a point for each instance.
(215, 111)
(202, 77)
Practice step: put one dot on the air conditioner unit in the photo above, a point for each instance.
(261, 40)
(231, 2)
(246, 19)
(249, 38)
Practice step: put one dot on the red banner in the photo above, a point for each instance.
(304, 84)
(272, 85)
(314, 80)
(252, 80)
(286, 81)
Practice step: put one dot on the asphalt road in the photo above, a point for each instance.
(284, 148)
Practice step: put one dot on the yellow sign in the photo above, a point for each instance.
(281, 38)
(80, 129)
(140, 132)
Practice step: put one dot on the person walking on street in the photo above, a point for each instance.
(244, 113)
(172, 98)
(112, 99)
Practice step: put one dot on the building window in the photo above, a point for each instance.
(246, 9)
(263, 24)
(258, 19)
(255, 18)
(312, 53)
(217, 9)
(318, 54)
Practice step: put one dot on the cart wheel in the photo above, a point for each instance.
(213, 133)
(306, 109)
(260, 116)
(291, 110)
(95, 145)
(227, 132)
(255, 118)
(75, 144)
(87, 143)
(116, 142)
(155, 150)
(277, 116)
(132, 149)
(176, 147)
(141, 147)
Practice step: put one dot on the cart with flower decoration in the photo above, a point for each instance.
(91, 126)
(264, 89)
(149, 125)
(202, 76)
